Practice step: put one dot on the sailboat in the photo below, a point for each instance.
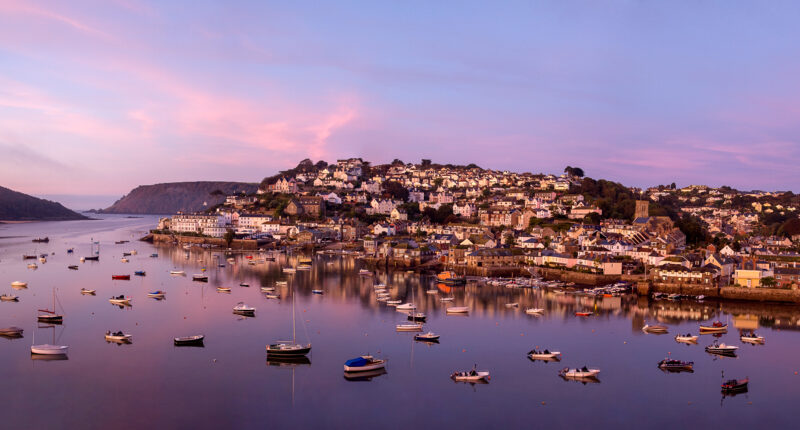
(287, 348)
(95, 254)
(48, 349)
(48, 316)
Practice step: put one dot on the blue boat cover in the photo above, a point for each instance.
(356, 362)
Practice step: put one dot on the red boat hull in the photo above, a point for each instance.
(121, 277)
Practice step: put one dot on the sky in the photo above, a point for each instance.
(98, 97)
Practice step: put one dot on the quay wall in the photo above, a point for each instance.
(213, 241)
(727, 293)
(577, 277)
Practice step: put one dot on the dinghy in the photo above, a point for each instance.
(177, 272)
(11, 332)
(120, 300)
(686, 338)
(512, 305)
(87, 291)
(120, 277)
(584, 314)
(316, 292)
(267, 289)
(406, 307)
(47, 349)
(364, 363)
(470, 376)
(735, 385)
(8, 298)
(544, 355)
(457, 310)
(393, 302)
(447, 299)
(534, 311)
(158, 294)
(224, 289)
(72, 267)
(409, 327)
(196, 340)
(584, 372)
(19, 284)
(118, 336)
(200, 278)
(140, 273)
(655, 329)
(716, 327)
(244, 284)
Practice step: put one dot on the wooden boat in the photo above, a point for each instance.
(41, 240)
(457, 310)
(120, 300)
(655, 329)
(121, 277)
(196, 340)
(470, 376)
(721, 349)
(200, 278)
(8, 298)
(364, 363)
(584, 372)
(158, 294)
(675, 365)
(72, 267)
(11, 331)
(686, 338)
(316, 291)
(140, 273)
(716, 327)
(177, 272)
(534, 311)
(584, 314)
(243, 309)
(735, 385)
(118, 337)
(19, 284)
(406, 307)
(224, 289)
(544, 355)
(409, 327)
(427, 337)
(48, 316)
(752, 337)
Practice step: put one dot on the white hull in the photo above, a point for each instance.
(375, 366)
(580, 374)
(753, 340)
(471, 378)
(534, 311)
(49, 349)
(19, 284)
(409, 327)
(123, 338)
(686, 339)
(548, 356)
(406, 307)
(458, 310)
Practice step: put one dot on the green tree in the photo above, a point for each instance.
(228, 237)
(768, 282)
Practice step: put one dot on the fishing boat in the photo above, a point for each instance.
(158, 294)
(427, 337)
(534, 311)
(41, 240)
(675, 365)
(722, 349)
(457, 310)
(470, 376)
(48, 316)
(364, 272)
(584, 372)
(121, 277)
(686, 338)
(8, 298)
(655, 329)
(365, 363)
(406, 307)
(120, 300)
(243, 309)
(19, 284)
(200, 278)
(752, 337)
(735, 385)
(11, 332)
(72, 267)
(118, 337)
(409, 327)
(196, 340)
(177, 272)
(283, 348)
(87, 291)
(140, 273)
(450, 278)
(224, 289)
(584, 314)
(545, 355)
(716, 327)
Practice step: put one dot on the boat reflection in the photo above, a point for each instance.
(582, 379)
(288, 361)
(40, 357)
(364, 376)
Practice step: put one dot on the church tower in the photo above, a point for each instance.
(642, 209)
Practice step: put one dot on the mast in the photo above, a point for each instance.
(294, 337)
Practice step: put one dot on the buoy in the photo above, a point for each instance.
(542, 403)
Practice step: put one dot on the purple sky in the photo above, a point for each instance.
(97, 97)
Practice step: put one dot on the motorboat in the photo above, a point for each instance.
(675, 365)
(655, 329)
(470, 376)
(158, 294)
(287, 348)
(177, 272)
(752, 337)
(735, 385)
(200, 278)
(86, 291)
(457, 310)
(364, 363)
(716, 327)
(41, 240)
(721, 349)
(417, 316)
(120, 300)
(140, 273)
(121, 277)
(583, 372)
(406, 307)
(316, 292)
(409, 327)
(8, 298)
(686, 338)
(534, 311)
(19, 284)
(196, 340)
(584, 314)
(427, 337)
(243, 309)
(545, 355)
(118, 336)
(72, 267)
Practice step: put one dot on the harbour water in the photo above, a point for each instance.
(230, 383)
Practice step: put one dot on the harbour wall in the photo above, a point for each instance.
(577, 277)
(246, 244)
(727, 293)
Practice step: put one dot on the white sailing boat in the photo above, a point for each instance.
(47, 348)
(285, 348)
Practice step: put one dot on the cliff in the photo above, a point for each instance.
(16, 206)
(177, 196)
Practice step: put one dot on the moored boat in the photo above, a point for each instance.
(196, 340)
(200, 278)
(158, 294)
(243, 309)
(177, 272)
(409, 327)
(118, 336)
(470, 376)
(655, 329)
(120, 300)
(584, 314)
(8, 298)
(140, 273)
(427, 337)
(47, 349)
(87, 291)
(752, 337)
(406, 307)
(316, 292)
(19, 284)
(583, 372)
(285, 348)
(716, 327)
(722, 349)
(121, 277)
(457, 310)
(450, 278)
(365, 272)
(735, 385)
(545, 355)
(11, 331)
(686, 338)
(224, 289)
(675, 365)
(534, 311)
(48, 316)
(364, 363)
(72, 267)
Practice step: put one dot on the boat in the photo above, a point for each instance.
(28, 257)
(675, 365)
(716, 327)
(449, 277)
(686, 338)
(304, 260)
(47, 348)
(409, 327)
(70, 250)
(267, 289)
(289, 348)
(655, 329)
(584, 372)
(118, 336)
(120, 300)
(272, 296)
(121, 277)
(125, 254)
(316, 291)
(584, 314)
(244, 284)
(432, 291)
(196, 340)
(393, 302)
(457, 310)
(427, 337)
(752, 337)
(735, 385)
(8, 298)
(447, 299)
(224, 289)
(722, 349)
(243, 309)
(72, 267)
(33, 266)
(177, 272)
(11, 331)
(19, 284)
(534, 311)
(95, 255)
(158, 294)
(87, 291)
(364, 363)
(120, 242)
(200, 278)
(140, 273)
(281, 283)
(470, 376)
(48, 316)
(303, 267)
(124, 260)
(512, 305)
(406, 307)
(545, 355)
(289, 270)
(153, 255)
(41, 240)
(364, 376)
(365, 272)
(417, 316)
(43, 259)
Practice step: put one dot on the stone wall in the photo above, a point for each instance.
(729, 293)
(577, 277)
(213, 241)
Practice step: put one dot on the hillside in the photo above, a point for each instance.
(16, 206)
(177, 196)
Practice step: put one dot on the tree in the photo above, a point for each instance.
(228, 237)
(510, 240)
(673, 186)
(768, 282)
(395, 190)
(573, 171)
(397, 161)
(217, 192)
(426, 163)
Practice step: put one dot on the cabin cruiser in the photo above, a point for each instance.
(364, 363)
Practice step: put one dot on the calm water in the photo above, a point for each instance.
(230, 382)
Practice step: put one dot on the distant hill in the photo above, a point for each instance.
(177, 196)
(16, 206)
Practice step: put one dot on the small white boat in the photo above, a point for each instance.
(177, 272)
(512, 305)
(272, 296)
(409, 327)
(243, 309)
(267, 289)
(43, 259)
(47, 349)
(393, 302)
(534, 311)
(120, 300)
(543, 355)
(281, 283)
(364, 272)
(364, 363)
(406, 307)
(721, 348)
(447, 299)
(427, 337)
(88, 292)
(289, 270)
(585, 372)
(19, 284)
(470, 376)
(655, 329)
(752, 338)
(8, 298)
(118, 337)
(158, 294)
(458, 310)
(224, 289)
(686, 338)
(432, 292)
(303, 267)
